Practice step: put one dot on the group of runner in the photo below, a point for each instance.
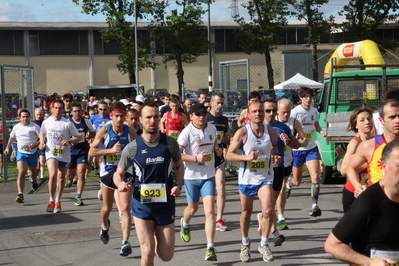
(142, 167)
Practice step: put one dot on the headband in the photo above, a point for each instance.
(118, 111)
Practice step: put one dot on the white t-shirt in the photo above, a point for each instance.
(194, 141)
(378, 126)
(307, 118)
(25, 135)
(56, 132)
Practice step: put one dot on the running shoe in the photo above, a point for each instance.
(315, 211)
(68, 183)
(75, 180)
(220, 226)
(79, 202)
(20, 198)
(100, 195)
(259, 217)
(278, 240)
(50, 206)
(57, 208)
(184, 232)
(104, 234)
(34, 185)
(245, 254)
(210, 254)
(282, 224)
(266, 252)
(126, 249)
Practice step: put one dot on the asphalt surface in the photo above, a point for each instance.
(31, 236)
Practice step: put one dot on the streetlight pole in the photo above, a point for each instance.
(210, 48)
(139, 92)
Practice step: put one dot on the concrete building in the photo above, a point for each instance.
(69, 56)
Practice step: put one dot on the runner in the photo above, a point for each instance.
(221, 123)
(57, 131)
(173, 122)
(198, 143)
(79, 152)
(285, 138)
(39, 118)
(258, 146)
(284, 108)
(309, 118)
(114, 136)
(27, 135)
(68, 99)
(132, 120)
(152, 154)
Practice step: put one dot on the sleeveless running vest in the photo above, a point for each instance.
(173, 126)
(81, 146)
(111, 161)
(221, 123)
(361, 174)
(256, 172)
(154, 164)
(374, 166)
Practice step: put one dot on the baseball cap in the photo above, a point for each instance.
(140, 98)
(198, 109)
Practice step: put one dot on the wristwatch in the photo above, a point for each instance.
(178, 185)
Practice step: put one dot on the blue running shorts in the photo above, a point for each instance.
(77, 159)
(300, 157)
(194, 187)
(30, 159)
(160, 213)
(252, 190)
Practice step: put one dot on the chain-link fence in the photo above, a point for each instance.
(16, 93)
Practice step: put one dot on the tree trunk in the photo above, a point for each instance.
(269, 69)
(132, 77)
(315, 66)
(180, 75)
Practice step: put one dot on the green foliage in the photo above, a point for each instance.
(265, 29)
(120, 32)
(180, 35)
(363, 18)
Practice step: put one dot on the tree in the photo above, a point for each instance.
(120, 31)
(318, 27)
(265, 30)
(181, 37)
(363, 18)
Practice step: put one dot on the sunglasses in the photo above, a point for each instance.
(270, 110)
(208, 107)
(67, 101)
(102, 109)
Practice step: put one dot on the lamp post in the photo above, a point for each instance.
(139, 92)
(210, 48)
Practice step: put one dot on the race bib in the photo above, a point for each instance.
(253, 166)
(210, 158)
(219, 136)
(309, 135)
(82, 137)
(113, 159)
(58, 150)
(153, 193)
(174, 134)
(287, 148)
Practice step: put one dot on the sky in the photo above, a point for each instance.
(66, 10)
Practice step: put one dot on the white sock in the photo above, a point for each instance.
(246, 240)
(263, 241)
(280, 216)
(209, 245)
(185, 225)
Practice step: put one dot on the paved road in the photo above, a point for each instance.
(31, 236)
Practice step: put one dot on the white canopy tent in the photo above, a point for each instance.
(296, 82)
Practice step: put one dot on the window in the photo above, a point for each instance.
(59, 42)
(11, 42)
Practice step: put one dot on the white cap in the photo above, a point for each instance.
(125, 101)
(140, 98)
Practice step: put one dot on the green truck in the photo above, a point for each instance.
(341, 94)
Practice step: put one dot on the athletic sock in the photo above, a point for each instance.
(209, 245)
(280, 216)
(263, 241)
(185, 225)
(246, 240)
(315, 190)
(78, 195)
(51, 199)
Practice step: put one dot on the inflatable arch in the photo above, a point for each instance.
(366, 50)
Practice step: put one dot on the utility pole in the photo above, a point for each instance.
(234, 9)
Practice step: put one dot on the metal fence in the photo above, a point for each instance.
(17, 90)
